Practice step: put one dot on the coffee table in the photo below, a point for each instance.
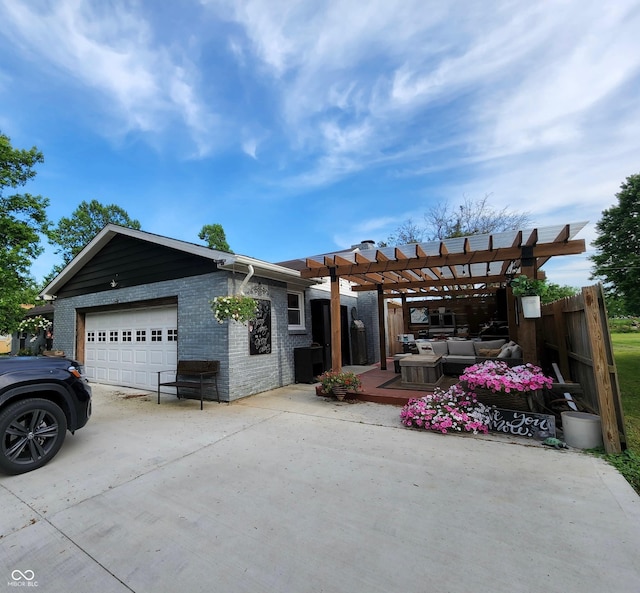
(423, 371)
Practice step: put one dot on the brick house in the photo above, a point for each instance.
(132, 303)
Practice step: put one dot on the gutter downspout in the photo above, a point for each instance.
(246, 280)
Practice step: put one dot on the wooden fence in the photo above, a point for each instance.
(575, 335)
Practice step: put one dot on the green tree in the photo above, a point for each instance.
(617, 257)
(23, 218)
(556, 292)
(86, 221)
(215, 237)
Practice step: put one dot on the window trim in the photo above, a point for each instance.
(301, 306)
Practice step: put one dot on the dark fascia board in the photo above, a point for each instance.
(228, 261)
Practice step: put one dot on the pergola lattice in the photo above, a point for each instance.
(474, 266)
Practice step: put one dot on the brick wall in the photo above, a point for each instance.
(202, 337)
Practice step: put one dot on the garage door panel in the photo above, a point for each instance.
(156, 357)
(128, 347)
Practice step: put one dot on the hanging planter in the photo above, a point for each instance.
(529, 290)
(34, 325)
(531, 306)
(237, 308)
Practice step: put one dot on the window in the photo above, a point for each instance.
(91, 337)
(141, 335)
(295, 310)
(113, 336)
(156, 335)
(126, 335)
(102, 336)
(172, 335)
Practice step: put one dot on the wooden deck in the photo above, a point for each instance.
(373, 392)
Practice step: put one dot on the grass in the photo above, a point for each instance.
(626, 351)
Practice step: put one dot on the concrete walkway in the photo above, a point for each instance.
(289, 492)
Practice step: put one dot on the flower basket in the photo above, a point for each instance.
(512, 388)
(340, 391)
(521, 402)
(238, 308)
(339, 383)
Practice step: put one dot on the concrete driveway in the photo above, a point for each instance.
(287, 492)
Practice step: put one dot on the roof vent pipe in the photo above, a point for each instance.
(364, 245)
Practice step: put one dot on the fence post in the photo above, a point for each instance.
(604, 390)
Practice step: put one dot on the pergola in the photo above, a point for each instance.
(472, 266)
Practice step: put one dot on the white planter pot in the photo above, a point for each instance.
(531, 306)
(582, 430)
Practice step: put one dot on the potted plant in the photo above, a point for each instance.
(339, 383)
(496, 383)
(529, 290)
(238, 308)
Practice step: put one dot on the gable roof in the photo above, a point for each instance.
(218, 259)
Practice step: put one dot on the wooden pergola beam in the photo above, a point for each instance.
(384, 264)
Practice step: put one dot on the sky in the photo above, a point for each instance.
(306, 127)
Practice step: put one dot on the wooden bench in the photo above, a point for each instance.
(194, 376)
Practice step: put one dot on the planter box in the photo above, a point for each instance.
(531, 307)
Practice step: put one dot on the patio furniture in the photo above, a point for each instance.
(423, 371)
(192, 377)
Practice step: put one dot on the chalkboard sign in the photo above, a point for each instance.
(260, 329)
(525, 424)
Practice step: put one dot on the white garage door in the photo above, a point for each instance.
(128, 348)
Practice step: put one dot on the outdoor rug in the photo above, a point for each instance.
(396, 383)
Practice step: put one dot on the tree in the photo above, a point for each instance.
(556, 292)
(23, 218)
(215, 237)
(471, 218)
(85, 222)
(617, 257)
(407, 232)
(443, 221)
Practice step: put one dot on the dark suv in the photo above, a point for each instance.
(40, 398)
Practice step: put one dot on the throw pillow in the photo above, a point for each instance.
(505, 352)
(490, 352)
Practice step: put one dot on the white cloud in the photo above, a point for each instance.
(110, 49)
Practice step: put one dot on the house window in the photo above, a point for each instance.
(126, 335)
(141, 335)
(156, 335)
(295, 310)
(172, 335)
(91, 337)
(102, 336)
(113, 336)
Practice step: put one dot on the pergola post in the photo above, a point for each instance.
(527, 327)
(381, 329)
(336, 335)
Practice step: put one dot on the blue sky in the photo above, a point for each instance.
(306, 127)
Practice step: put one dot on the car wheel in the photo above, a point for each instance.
(32, 432)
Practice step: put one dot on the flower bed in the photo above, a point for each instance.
(444, 411)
